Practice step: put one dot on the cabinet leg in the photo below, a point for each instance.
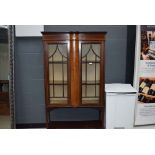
(47, 118)
(101, 118)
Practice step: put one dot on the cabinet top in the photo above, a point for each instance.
(69, 32)
(74, 35)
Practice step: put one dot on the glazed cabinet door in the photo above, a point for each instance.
(74, 69)
(92, 69)
(57, 84)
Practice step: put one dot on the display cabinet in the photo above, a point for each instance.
(74, 73)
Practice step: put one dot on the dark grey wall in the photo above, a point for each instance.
(29, 86)
(29, 72)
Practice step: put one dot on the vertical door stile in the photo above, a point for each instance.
(102, 75)
(46, 73)
(75, 70)
(69, 72)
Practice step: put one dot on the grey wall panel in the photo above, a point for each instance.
(29, 83)
(31, 114)
(115, 62)
(29, 45)
(30, 66)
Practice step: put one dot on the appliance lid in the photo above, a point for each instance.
(119, 88)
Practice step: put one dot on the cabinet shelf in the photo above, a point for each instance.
(90, 82)
(90, 100)
(83, 83)
(58, 100)
(58, 83)
(57, 62)
(90, 62)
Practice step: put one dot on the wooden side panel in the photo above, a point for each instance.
(46, 73)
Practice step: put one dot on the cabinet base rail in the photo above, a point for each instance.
(87, 124)
(96, 124)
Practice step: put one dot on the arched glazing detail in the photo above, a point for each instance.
(90, 50)
(58, 80)
(90, 56)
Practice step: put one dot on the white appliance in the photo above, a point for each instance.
(120, 105)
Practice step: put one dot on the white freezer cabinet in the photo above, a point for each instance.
(120, 105)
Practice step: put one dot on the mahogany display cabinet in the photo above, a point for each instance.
(74, 75)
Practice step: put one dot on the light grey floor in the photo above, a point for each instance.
(145, 127)
(5, 122)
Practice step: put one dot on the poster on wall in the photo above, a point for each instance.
(145, 76)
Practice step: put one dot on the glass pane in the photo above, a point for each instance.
(65, 91)
(90, 71)
(56, 51)
(90, 90)
(58, 54)
(91, 50)
(60, 72)
(90, 56)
